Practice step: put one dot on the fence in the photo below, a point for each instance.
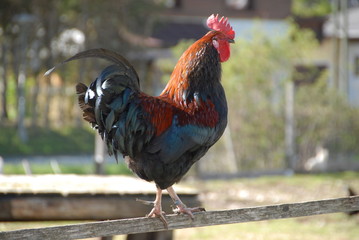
(141, 225)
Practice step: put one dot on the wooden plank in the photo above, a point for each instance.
(67, 184)
(140, 225)
(39, 207)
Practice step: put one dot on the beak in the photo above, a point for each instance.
(231, 41)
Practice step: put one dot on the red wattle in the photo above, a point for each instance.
(223, 49)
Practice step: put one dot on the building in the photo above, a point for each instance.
(341, 32)
(185, 19)
(339, 53)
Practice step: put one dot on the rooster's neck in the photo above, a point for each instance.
(196, 75)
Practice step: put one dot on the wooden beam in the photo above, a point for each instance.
(43, 207)
(141, 225)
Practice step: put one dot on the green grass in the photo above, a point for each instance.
(13, 169)
(44, 141)
(117, 169)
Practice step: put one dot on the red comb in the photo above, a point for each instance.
(220, 25)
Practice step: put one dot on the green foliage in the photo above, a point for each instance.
(11, 97)
(181, 47)
(117, 169)
(167, 66)
(69, 8)
(13, 169)
(77, 169)
(325, 118)
(254, 78)
(255, 62)
(118, 25)
(311, 8)
(46, 141)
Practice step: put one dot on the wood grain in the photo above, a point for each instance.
(44, 207)
(140, 225)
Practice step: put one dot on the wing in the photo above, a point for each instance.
(180, 140)
(184, 130)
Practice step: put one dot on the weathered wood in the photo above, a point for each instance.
(67, 184)
(72, 197)
(40, 207)
(140, 225)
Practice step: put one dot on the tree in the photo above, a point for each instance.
(103, 24)
(7, 11)
(311, 8)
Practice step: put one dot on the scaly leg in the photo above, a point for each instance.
(157, 207)
(181, 207)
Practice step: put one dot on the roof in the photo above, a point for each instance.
(171, 32)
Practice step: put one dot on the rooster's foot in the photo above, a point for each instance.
(157, 208)
(181, 208)
(157, 212)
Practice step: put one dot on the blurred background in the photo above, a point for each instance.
(292, 84)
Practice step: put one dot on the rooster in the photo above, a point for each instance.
(162, 137)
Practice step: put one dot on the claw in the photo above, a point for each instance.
(189, 211)
(155, 212)
(181, 207)
(157, 208)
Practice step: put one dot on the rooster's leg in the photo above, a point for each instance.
(181, 207)
(157, 208)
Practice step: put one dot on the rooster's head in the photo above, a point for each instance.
(222, 33)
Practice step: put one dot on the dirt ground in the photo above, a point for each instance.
(240, 193)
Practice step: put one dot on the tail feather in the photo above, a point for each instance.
(81, 89)
(110, 56)
(88, 111)
(111, 103)
(105, 103)
(104, 54)
(111, 83)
